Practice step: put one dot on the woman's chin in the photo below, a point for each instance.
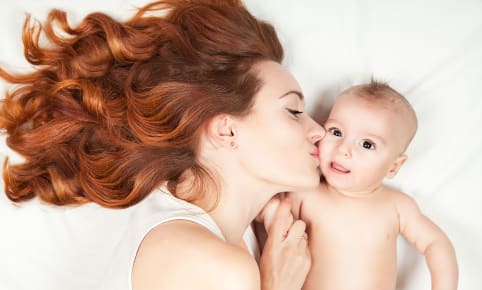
(308, 183)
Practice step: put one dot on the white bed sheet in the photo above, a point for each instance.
(430, 51)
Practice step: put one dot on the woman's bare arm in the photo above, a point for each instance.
(185, 255)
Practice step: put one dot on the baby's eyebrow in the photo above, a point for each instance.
(378, 138)
(298, 93)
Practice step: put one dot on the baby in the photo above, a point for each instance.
(353, 219)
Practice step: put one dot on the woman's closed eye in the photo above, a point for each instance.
(335, 132)
(295, 113)
(367, 144)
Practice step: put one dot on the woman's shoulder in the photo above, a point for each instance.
(181, 254)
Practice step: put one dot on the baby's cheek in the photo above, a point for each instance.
(322, 150)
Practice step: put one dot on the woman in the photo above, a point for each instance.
(187, 104)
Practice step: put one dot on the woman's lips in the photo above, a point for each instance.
(338, 168)
(315, 153)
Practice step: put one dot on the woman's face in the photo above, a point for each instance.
(277, 139)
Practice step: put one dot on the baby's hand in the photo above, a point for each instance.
(267, 215)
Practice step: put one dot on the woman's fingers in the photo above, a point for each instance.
(283, 228)
(281, 224)
(296, 232)
(286, 259)
(303, 241)
(269, 212)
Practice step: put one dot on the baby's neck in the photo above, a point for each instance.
(364, 193)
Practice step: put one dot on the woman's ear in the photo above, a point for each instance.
(221, 131)
(396, 165)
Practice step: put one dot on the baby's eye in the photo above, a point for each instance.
(335, 132)
(367, 144)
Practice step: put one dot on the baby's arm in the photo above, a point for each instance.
(295, 199)
(430, 240)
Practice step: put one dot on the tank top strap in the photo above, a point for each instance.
(179, 209)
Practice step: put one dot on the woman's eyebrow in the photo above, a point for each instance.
(298, 93)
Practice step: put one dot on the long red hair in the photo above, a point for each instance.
(114, 109)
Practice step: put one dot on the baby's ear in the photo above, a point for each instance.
(396, 165)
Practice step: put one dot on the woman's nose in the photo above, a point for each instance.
(316, 131)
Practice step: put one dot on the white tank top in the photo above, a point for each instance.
(159, 207)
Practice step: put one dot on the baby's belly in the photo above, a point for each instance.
(353, 265)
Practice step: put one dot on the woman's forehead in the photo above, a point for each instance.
(276, 81)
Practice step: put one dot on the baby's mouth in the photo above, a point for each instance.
(338, 168)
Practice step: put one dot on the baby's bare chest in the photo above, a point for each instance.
(372, 223)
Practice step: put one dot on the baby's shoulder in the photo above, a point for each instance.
(400, 199)
(394, 193)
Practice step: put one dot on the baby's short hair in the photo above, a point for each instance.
(382, 93)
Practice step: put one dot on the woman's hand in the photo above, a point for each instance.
(286, 259)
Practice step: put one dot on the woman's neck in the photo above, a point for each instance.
(236, 210)
(233, 204)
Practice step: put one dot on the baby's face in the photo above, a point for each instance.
(364, 143)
